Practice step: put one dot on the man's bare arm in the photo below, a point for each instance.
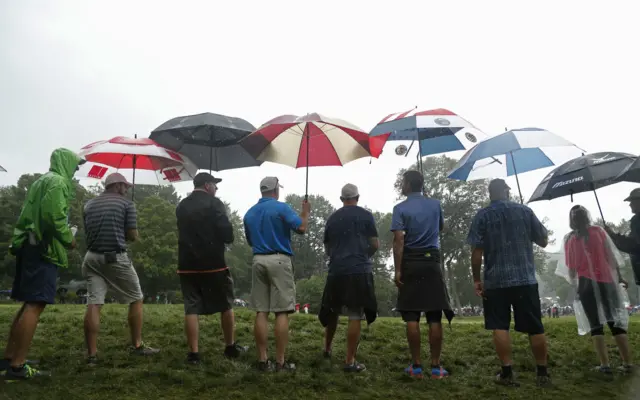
(374, 245)
(132, 235)
(398, 249)
(476, 264)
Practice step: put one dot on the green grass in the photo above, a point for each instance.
(468, 353)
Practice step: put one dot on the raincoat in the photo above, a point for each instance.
(45, 211)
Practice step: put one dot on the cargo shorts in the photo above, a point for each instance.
(120, 277)
(273, 287)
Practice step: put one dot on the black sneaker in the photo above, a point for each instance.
(544, 381)
(24, 373)
(5, 364)
(92, 361)
(285, 367)
(143, 350)
(355, 367)
(625, 369)
(234, 350)
(193, 358)
(507, 380)
(265, 366)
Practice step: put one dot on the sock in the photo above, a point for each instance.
(542, 370)
(435, 366)
(506, 371)
(416, 366)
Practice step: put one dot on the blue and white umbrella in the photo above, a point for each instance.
(512, 153)
(437, 131)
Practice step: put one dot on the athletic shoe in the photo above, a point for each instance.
(24, 373)
(92, 361)
(507, 380)
(544, 381)
(193, 358)
(265, 366)
(143, 350)
(355, 367)
(603, 369)
(234, 350)
(626, 369)
(415, 372)
(285, 367)
(439, 373)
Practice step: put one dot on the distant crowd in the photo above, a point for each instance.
(501, 238)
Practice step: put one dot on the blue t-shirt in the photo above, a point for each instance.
(506, 231)
(420, 218)
(346, 236)
(268, 226)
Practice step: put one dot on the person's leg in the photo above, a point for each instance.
(96, 293)
(412, 319)
(135, 323)
(282, 303)
(497, 318)
(281, 332)
(8, 352)
(353, 338)
(91, 328)
(260, 331)
(227, 321)
(589, 301)
(192, 329)
(329, 332)
(434, 320)
(528, 319)
(24, 331)
(260, 300)
(622, 341)
(193, 307)
(600, 345)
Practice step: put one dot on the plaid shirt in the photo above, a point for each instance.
(506, 231)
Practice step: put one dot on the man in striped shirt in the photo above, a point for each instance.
(110, 222)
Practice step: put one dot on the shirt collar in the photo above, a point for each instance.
(265, 199)
(415, 194)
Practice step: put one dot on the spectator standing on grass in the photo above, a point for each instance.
(109, 223)
(204, 230)
(591, 256)
(503, 233)
(416, 226)
(40, 242)
(630, 243)
(350, 240)
(268, 227)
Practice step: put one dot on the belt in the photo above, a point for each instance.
(273, 253)
(105, 252)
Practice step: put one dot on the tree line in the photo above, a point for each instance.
(155, 254)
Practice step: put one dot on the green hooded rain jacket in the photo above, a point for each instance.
(45, 211)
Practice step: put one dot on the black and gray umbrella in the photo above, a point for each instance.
(583, 174)
(209, 140)
(631, 173)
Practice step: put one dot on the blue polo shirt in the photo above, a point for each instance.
(268, 226)
(420, 218)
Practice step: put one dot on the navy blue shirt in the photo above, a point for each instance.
(506, 232)
(268, 226)
(420, 218)
(346, 236)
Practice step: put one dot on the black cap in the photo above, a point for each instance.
(203, 178)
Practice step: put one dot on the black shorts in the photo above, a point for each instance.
(433, 317)
(207, 293)
(589, 292)
(35, 280)
(527, 312)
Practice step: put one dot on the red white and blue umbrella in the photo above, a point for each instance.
(437, 131)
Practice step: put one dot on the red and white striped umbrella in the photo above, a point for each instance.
(312, 140)
(135, 154)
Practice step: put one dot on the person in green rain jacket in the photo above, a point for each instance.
(40, 242)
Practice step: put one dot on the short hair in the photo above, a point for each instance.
(415, 180)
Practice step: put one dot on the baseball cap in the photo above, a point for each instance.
(116, 177)
(269, 183)
(349, 191)
(498, 184)
(634, 195)
(203, 178)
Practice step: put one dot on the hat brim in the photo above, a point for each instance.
(217, 180)
(632, 198)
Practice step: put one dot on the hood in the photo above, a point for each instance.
(64, 162)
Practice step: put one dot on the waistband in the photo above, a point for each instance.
(120, 251)
(273, 254)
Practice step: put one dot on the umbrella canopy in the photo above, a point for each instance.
(438, 131)
(136, 154)
(508, 154)
(209, 140)
(583, 174)
(311, 140)
(631, 173)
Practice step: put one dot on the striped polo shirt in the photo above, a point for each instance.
(106, 219)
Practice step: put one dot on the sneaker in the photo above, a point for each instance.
(24, 373)
(507, 380)
(285, 367)
(92, 361)
(143, 350)
(603, 369)
(265, 366)
(544, 381)
(439, 373)
(625, 369)
(193, 358)
(5, 364)
(415, 372)
(355, 367)
(234, 350)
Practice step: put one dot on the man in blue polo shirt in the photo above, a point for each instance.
(416, 225)
(268, 226)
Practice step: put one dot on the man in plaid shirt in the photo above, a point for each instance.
(503, 234)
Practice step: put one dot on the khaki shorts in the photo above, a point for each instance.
(120, 277)
(273, 287)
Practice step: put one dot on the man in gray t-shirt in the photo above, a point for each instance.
(110, 222)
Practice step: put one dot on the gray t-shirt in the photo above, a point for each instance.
(106, 219)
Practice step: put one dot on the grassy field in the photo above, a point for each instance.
(468, 354)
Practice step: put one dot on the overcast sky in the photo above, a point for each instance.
(73, 72)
